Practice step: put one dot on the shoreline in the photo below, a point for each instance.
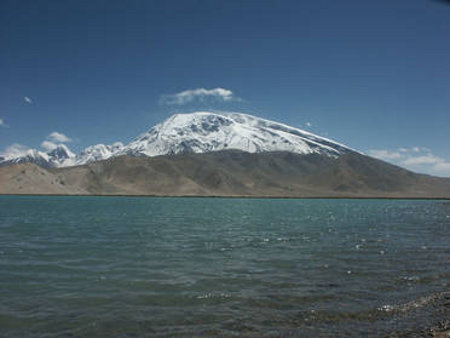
(246, 196)
(437, 198)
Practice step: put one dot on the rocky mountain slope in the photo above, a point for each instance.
(227, 173)
(216, 154)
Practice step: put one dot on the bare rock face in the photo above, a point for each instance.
(29, 178)
(227, 173)
(216, 154)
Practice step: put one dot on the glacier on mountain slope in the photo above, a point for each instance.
(198, 132)
(204, 132)
(98, 152)
(30, 155)
(60, 156)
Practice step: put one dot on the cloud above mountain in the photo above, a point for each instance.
(199, 95)
(53, 139)
(58, 137)
(418, 159)
(48, 146)
(50, 143)
(15, 150)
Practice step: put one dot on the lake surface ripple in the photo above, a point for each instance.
(128, 266)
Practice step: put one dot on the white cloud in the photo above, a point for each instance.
(48, 146)
(443, 167)
(383, 154)
(15, 150)
(200, 94)
(3, 124)
(58, 137)
(309, 124)
(425, 159)
(27, 99)
(53, 140)
(418, 159)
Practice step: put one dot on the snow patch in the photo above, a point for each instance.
(198, 132)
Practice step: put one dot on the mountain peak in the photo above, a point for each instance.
(200, 132)
(61, 151)
(98, 152)
(31, 155)
(61, 156)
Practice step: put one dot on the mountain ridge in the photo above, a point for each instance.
(197, 132)
(211, 154)
(228, 173)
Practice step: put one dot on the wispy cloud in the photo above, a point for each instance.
(419, 159)
(383, 154)
(48, 145)
(2, 123)
(443, 167)
(56, 137)
(423, 159)
(308, 124)
(52, 141)
(15, 150)
(199, 94)
(27, 99)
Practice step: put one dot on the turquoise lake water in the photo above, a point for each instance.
(132, 267)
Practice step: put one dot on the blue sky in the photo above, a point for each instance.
(374, 75)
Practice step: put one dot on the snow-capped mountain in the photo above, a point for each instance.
(60, 156)
(98, 152)
(202, 132)
(197, 132)
(31, 155)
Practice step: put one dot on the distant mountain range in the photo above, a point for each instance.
(199, 132)
(227, 173)
(212, 154)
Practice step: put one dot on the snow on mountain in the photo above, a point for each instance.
(204, 132)
(61, 156)
(98, 152)
(31, 155)
(197, 132)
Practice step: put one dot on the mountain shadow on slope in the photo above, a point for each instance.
(237, 173)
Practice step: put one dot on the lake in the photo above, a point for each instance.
(131, 266)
